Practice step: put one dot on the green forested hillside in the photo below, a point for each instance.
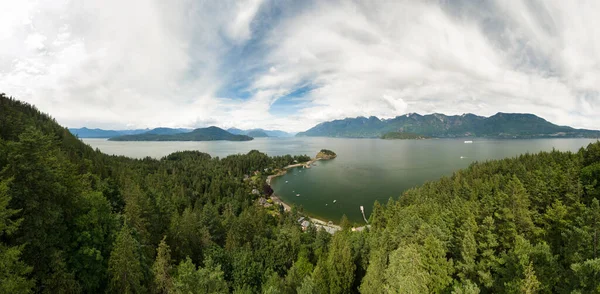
(74, 220)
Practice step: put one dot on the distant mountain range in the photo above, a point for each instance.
(500, 125)
(100, 133)
(258, 132)
(167, 131)
(202, 134)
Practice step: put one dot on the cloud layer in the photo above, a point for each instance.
(292, 64)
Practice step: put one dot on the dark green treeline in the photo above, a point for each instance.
(73, 220)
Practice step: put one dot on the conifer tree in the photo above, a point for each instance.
(162, 268)
(340, 264)
(13, 272)
(595, 218)
(124, 265)
(208, 279)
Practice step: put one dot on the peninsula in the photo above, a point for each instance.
(324, 154)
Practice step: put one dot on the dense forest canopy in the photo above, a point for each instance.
(75, 220)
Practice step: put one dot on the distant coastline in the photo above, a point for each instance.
(403, 136)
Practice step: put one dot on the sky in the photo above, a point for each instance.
(289, 65)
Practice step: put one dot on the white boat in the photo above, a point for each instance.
(462, 157)
(286, 181)
(334, 201)
(297, 195)
(468, 142)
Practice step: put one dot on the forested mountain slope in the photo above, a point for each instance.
(75, 220)
(500, 125)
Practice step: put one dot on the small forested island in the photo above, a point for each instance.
(326, 154)
(202, 134)
(403, 136)
(75, 220)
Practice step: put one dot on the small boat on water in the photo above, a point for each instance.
(462, 157)
(468, 142)
(334, 201)
(286, 181)
(297, 195)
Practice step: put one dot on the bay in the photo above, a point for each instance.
(364, 171)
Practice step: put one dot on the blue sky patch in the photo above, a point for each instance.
(292, 102)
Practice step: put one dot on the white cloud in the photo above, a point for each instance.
(439, 62)
(239, 28)
(138, 63)
(35, 42)
(113, 63)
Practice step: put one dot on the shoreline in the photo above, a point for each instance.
(319, 223)
(285, 168)
(283, 171)
(278, 200)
